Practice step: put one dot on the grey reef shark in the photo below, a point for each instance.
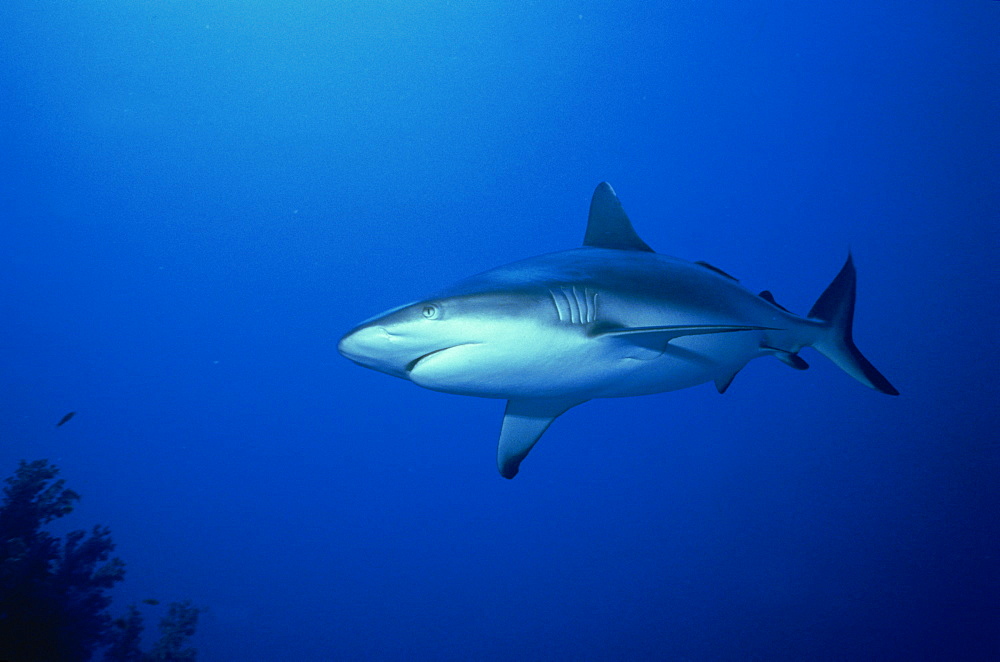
(608, 320)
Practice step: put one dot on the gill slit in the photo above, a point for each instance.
(581, 305)
(575, 306)
(555, 302)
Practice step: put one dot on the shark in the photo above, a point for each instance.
(609, 319)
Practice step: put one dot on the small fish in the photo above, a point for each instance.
(66, 418)
(151, 601)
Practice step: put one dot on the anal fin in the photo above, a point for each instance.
(524, 422)
(788, 358)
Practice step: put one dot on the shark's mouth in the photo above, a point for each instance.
(413, 364)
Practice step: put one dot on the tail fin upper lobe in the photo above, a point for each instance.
(836, 307)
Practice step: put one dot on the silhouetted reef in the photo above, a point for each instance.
(54, 592)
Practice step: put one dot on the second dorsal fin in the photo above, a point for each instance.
(768, 297)
(608, 225)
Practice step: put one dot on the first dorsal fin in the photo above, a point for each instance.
(608, 225)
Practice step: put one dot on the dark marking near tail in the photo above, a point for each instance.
(66, 418)
(712, 267)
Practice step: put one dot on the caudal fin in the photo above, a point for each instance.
(836, 307)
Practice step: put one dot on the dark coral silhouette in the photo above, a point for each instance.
(175, 629)
(54, 592)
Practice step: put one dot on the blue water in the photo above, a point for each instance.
(198, 198)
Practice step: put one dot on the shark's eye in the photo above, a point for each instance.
(430, 311)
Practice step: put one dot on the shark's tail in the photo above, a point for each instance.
(835, 307)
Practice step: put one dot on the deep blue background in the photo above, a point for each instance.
(197, 198)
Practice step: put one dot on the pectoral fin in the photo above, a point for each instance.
(524, 421)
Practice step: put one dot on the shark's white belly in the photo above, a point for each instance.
(685, 362)
(568, 367)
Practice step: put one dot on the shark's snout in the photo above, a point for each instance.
(364, 343)
(374, 346)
